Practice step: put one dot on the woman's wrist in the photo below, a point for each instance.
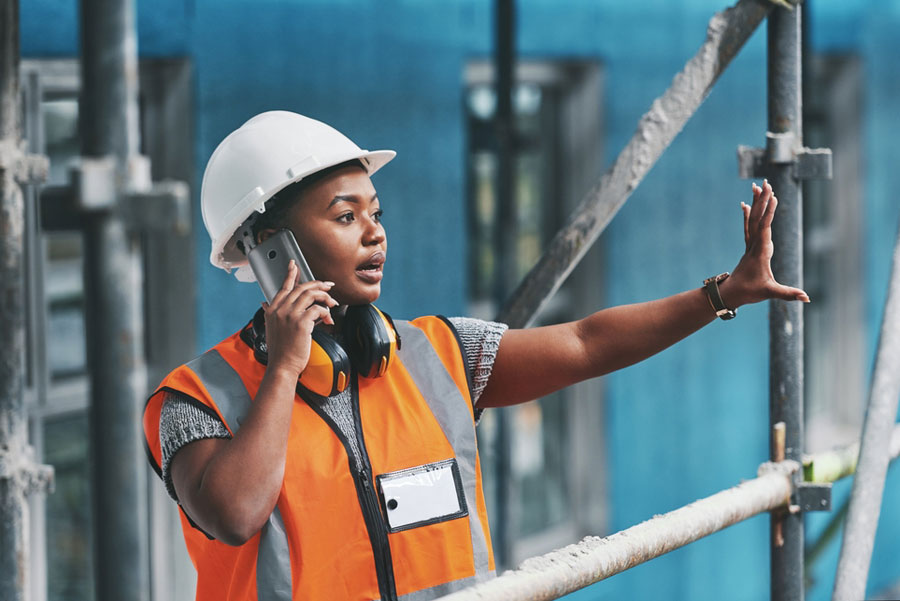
(732, 293)
(282, 375)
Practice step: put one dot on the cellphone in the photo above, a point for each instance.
(269, 261)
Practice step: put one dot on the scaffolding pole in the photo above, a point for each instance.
(874, 451)
(13, 437)
(19, 475)
(786, 318)
(574, 567)
(111, 169)
(505, 236)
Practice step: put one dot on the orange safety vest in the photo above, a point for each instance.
(329, 536)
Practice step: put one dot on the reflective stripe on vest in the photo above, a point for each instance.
(437, 386)
(273, 561)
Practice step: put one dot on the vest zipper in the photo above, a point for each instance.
(378, 533)
(368, 498)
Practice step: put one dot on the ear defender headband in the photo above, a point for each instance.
(369, 336)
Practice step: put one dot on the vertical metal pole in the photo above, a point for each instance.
(786, 318)
(505, 222)
(113, 285)
(13, 438)
(874, 452)
(506, 218)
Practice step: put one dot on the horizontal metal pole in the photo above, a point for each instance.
(726, 34)
(574, 567)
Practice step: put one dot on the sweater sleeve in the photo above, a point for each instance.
(480, 339)
(182, 422)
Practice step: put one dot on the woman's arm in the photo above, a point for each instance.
(534, 362)
(229, 487)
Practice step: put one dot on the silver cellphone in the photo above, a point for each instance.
(270, 259)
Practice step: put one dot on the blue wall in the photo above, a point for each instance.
(682, 425)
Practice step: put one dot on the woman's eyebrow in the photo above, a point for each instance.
(347, 198)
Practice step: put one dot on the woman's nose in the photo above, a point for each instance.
(374, 233)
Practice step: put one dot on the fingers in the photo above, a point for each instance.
(766, 221)
(745, 209)
(290, 280)
(317, 313)
(290, 291)
(761, 197)
(302, 308)
(755, 207)
(304, 297)
(758, 224)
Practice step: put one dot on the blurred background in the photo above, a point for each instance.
(418, 77)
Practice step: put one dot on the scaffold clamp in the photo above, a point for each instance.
(808, 163)
(19, 467)
(814, 496)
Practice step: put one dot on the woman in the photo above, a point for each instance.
(374, 490)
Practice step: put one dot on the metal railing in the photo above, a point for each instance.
(576, 566)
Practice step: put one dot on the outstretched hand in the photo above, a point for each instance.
(752, 280)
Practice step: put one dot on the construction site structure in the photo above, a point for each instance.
(111, 199)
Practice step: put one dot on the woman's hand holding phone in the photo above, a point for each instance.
(290, 319)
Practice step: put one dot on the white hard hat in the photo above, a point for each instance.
(266, 154)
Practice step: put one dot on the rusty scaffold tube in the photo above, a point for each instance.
(19, 475)
(13, 509)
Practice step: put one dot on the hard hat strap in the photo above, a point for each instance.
(248, 240)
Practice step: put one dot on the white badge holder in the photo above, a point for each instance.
(422, 495)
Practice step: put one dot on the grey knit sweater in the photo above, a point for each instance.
(182, 422)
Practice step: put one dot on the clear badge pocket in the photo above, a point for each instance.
(423, 495)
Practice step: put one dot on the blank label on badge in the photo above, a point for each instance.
(422, 495)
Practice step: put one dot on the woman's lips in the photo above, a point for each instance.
(370, 270)
(370, 275)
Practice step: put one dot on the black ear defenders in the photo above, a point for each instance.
(371, 343)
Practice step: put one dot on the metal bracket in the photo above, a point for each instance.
(94, 181)
(32, 169)
(25, 168)
(18, 467)
(814, 496)
(751, 162)
(165, 207)
(813, 163)
(809, 163)
(96, 185)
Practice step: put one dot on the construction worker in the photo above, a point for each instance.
(327, 451)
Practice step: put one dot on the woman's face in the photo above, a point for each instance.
(337, 223)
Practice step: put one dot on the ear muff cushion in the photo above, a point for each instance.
(370, 340)
(328, 369)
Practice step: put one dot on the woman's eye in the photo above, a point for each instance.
(346, 218)
(377, 215)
